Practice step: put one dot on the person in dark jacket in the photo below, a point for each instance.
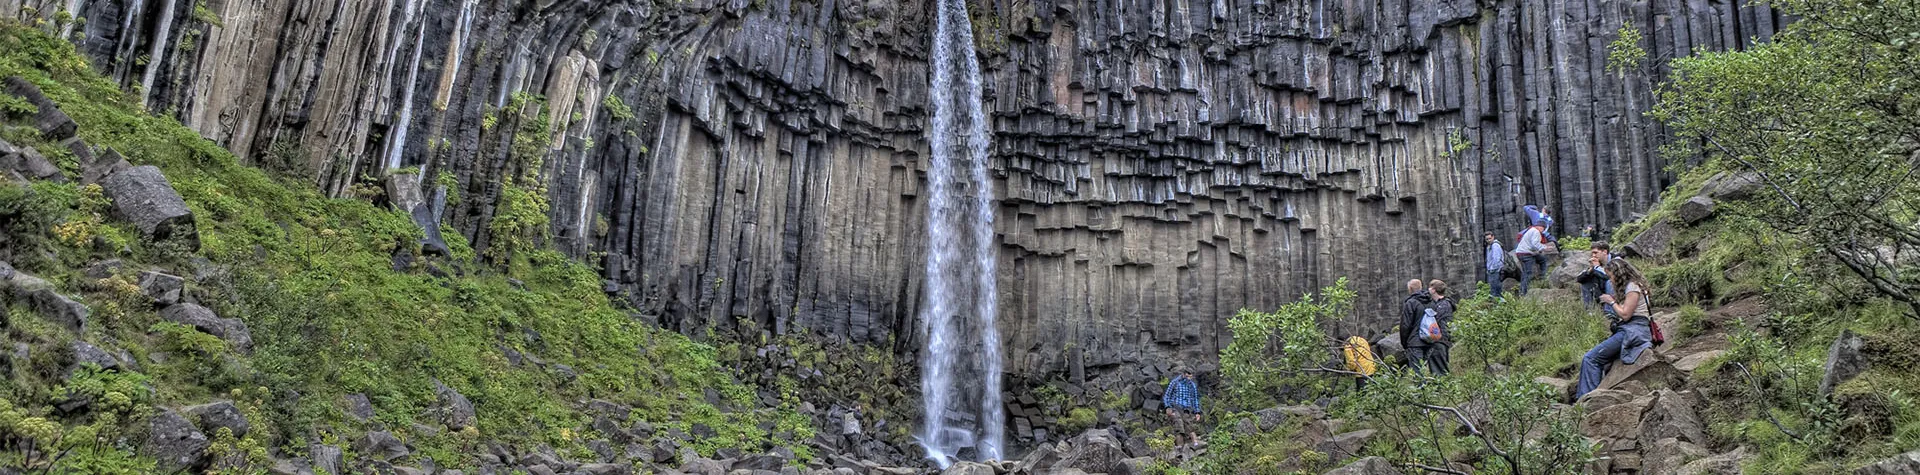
(1595, 282)
(1438, 353)
(1411, 309)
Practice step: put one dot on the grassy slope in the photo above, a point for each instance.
(330, 317)
(1810, 301)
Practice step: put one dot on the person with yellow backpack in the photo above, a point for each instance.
(1360, 359)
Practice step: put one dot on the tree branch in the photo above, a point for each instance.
(1770, 418)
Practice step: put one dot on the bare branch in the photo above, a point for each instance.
(1770, 418)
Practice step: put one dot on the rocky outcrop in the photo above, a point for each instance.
(1159, 165)
(143, 196)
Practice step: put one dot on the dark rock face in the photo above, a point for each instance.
(143, 196)
(1158, 165)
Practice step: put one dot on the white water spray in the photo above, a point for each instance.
(960, 372)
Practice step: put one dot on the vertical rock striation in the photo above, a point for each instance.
(1158, 164)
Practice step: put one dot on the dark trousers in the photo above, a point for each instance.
(1495, 280)
(1590, 293)
(1531, 266)
(1433, 358)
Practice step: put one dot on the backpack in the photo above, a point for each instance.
(1430, 326)
(1359, 355)
(1508, 261)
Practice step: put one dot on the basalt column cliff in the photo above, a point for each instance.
(1158, 164)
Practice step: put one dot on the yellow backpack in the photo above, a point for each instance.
(1359, 355)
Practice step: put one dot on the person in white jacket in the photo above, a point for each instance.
(1531, 251)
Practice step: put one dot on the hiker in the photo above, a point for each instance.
(1412, 310)
(1360, 359)
(1536, 214)
(1594, 281)
(1182, 399)
(1496, 264)
(1437, 356)
(850, 431)
(1632, 334)
(1531, 249)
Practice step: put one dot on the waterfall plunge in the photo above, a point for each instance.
(960, 371)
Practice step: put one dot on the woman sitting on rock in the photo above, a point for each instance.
(1631, 335)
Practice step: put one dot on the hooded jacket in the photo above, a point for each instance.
(1411, 310)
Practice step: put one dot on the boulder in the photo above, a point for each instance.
(232, 330)
(1367, 466)
(60, 309)
(174, 442)
(1135, 466)
(29, 163)
(1655, 242)
(1650, 371)
(380, 445)
(359, 408)
(1903, 464)
(1723, 464)
(1273, 417)
(761, 462)
(1567, 273)
(96, 169)
(1668, 455)
(1694, 361)
(53, 123)
(968, 468)
(162, 288)
(219, 414)
(407, 193)
(1041, 458)
(1562, 387)
(1843, 361)
(453, 409)
(1095, 451)
(1603, 398)
(143, 196)
(86, 353)
(604, 469)
(1390, 350)
(697, 465)
(1346, 445)
(1671, 415)
(1731, 186)
(1695, 210)
(1617, 421)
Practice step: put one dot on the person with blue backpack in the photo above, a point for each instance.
(1425, 326)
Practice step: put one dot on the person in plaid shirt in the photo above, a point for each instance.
(1182, 400)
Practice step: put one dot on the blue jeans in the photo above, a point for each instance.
(1527, 272)
(1626, 345)
(1494, 280)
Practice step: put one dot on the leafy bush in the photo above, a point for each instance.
(1270, 350)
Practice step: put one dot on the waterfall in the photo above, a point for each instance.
(960, 371)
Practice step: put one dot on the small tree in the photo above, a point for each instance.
(1827, 116)
(1270, 349)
